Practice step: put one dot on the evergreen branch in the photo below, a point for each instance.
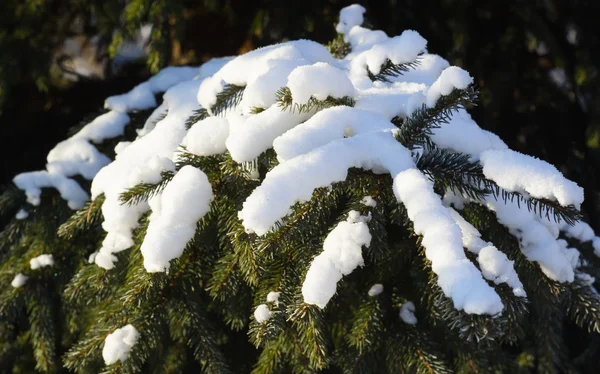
(228, 98)
(367, 326)
(338, 47)
(197, 115)
(286, 102)
(41, 320)
(583, 304)
(455, 171)
(310, 325)
(83, 219)
(145, 191)
(417, 129)
(188, 320)
(389, 69)
(10, 201)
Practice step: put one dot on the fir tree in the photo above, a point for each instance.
(288, 211)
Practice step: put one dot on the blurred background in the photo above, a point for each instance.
(535, 62)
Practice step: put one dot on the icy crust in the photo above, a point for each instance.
(118, 344)
(342, 253)
(494, 265)
(515, 171)
(458, 278)
(141, 162)
(173, 220)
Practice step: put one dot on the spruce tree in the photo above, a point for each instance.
(299, 208)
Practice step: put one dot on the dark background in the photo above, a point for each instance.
(512, 48)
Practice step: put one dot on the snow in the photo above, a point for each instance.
(106, 126)
(76, 156)
(262, 313)
(21, 214)
(451, 78)
(342, 253)
(19, 280)
(273, 297)
(391, 100)
(41, 261)
(173, 220)
(142, 96)
(325, 126)
(535, 240)
(32, 183)
(295, 180)
(494, 264)
(461, 126)
(368, 201)
(319, 81)
(207, 137)
(407, 313)
(246, 68)
(399, 49)
(118, 344)
(596, 245)
(248, 139)
(514, 171)
(350, 16)
(375, 289)
(458, 278)
(141, 162)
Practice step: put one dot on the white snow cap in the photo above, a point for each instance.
(262, 313)
(375, 289)
(451, 78)
(21, 214)
(368, 201)
(514, 171)
(41, 261)
(118, 344)
(32, 183)
(19, 280)
(175, 213)
(319, 81)
(495, 266)
(342, 253)
(407, 313)
(273, 297)
(350, 16)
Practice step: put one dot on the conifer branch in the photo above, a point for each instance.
(145, 191)
(228, 98)
(389, 69)
(338, 47)
(286, 102)
(197, 115)
(455, 171)
(417, 129)
(83, 219)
